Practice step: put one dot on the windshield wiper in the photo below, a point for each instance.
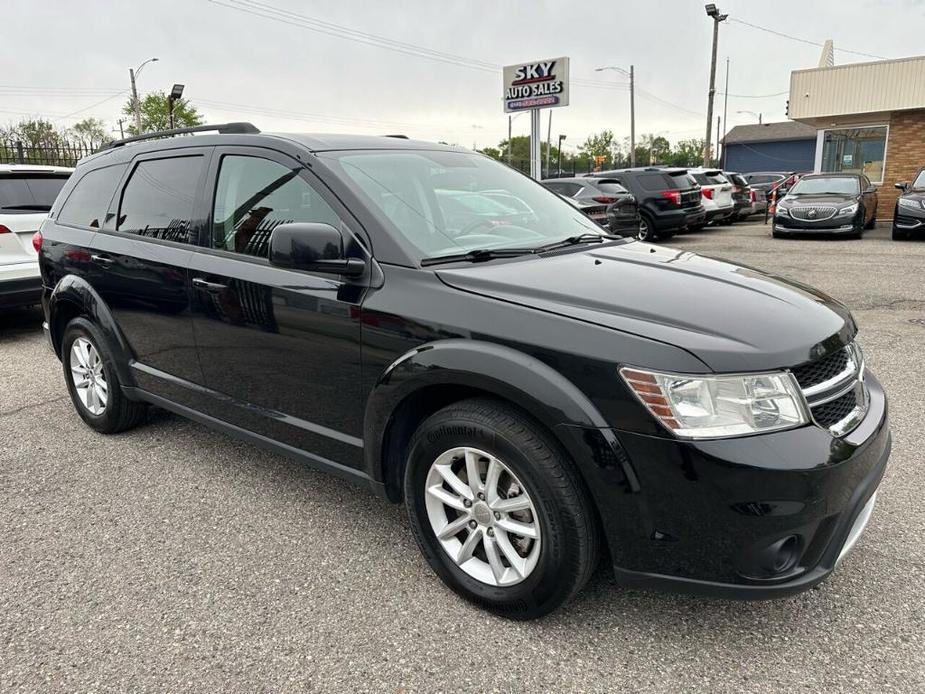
(574, 240)
(42, 208)
(477, 255)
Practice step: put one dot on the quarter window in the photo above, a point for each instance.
(254, 196)
(87, 204)
(159, 197)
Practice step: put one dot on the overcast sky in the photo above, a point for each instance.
(59, 59)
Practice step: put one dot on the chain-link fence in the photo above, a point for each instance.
(61, 154)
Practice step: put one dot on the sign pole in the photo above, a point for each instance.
(535, 137)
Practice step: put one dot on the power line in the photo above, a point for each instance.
(87, 108)
(799, 40)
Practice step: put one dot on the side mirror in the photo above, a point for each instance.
(902, 186)
(313, 247)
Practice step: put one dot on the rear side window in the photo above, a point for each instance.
(563, 188)
(87, 204)
(653, 181)
(29, 193)
(158, 199)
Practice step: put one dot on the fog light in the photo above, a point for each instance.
(773, 561)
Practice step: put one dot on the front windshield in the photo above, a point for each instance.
(446, 203)
(842, 185)
(919, 181)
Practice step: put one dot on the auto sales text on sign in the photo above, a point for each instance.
(540, 84)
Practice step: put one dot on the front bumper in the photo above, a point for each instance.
(909, 221)
(835, 225)
(706, 512)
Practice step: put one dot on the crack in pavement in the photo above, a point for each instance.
(34, 404)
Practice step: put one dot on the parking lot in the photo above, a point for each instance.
(176, 558)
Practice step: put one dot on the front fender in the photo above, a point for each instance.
(513, 376)
(72, 296)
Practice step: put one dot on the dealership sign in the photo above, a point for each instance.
(540, 84)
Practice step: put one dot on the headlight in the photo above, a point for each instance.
(907, 202)
(849, 210)
(701, 407)
(782, 211)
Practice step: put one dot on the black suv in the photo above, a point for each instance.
(536, 392)
(909, 215)
(669, 199)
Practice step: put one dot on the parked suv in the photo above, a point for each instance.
(909, 215)
(829, 204)
(537, 392)
(744, 198)
(717, 195)
(26, 194)
(669, 200)
(604, 200)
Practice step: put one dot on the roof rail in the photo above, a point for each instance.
(400, 137)
(223, 128)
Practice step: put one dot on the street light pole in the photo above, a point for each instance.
(632, 107)
(136, 107)
(717, 16)
(725, 113)
(756, 115)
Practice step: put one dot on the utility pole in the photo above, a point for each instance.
(719, 129)
(559, 155)
(121, 130)
(714, 13)
(136, 106)
(632, 120)
(510, 155)
(725, 112)
(632, 107)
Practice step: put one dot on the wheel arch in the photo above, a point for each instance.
(73, 297)
(432, 376)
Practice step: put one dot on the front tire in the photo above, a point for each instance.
(92, 382)
(499, 513)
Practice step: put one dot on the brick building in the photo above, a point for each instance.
(869, 118)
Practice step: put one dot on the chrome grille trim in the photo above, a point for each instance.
(813, 213)
(838, 386)
(854, 370)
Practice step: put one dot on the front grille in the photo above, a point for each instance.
(821, 370)
(831, 413)
(812, 213)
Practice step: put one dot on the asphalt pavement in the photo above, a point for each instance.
(174, 558)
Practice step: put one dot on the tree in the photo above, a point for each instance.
(686, 153)
(493, 152)
(155, 113)
(602, 144)
(90, 132)
(35, 132)
(520, 152)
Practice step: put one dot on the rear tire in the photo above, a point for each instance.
(646, 231)
(470, 439)
(92, 381)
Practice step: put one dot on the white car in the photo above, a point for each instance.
(716, 192)
(27, 193)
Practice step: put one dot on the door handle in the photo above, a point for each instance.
(102, 260)
(214, 287)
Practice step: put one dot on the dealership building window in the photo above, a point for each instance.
(855, 150)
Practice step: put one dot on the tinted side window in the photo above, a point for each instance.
(652, 181)
(88, 202)
(256, 195)
(559, 187)
(158, 199)
(611, 187)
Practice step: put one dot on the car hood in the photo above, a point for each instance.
(732, 317)
(832, 199)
